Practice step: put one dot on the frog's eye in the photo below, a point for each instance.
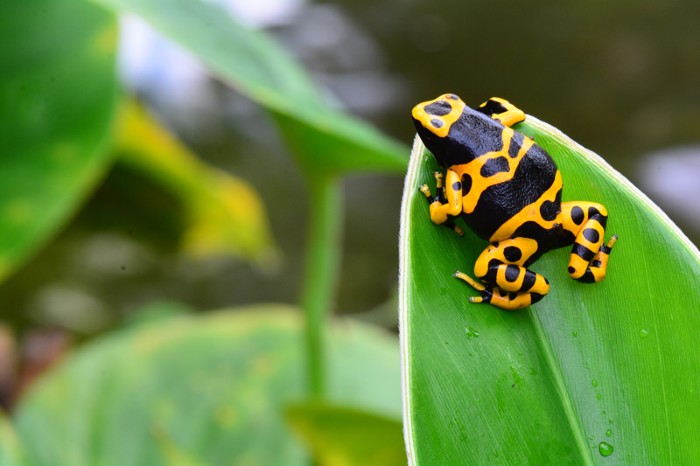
(438, 108)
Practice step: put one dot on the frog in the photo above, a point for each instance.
(507, 189)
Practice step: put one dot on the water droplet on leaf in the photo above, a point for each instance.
(605, 449)
(470, 332)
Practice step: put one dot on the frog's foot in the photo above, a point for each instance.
(474, 284)
(438, 179)
(598, 266)
(450, 223)
(507, 283)
(439, 188)
(588, 262)
(425, 190)
(498, 297)
(442, 213)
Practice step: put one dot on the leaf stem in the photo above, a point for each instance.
(322, 263)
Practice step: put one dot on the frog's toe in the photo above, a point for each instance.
(469, 280)
(485, 297)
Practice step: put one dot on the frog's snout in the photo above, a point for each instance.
(438, 115)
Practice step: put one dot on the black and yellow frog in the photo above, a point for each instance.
(508, 190)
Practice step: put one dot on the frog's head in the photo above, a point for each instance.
(434, 119)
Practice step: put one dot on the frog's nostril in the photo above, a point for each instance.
(438, 108)
(436, 123)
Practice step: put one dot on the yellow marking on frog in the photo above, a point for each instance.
(527, 247)
(481, 183)
(511, 116)
(457, 108)
(531, 212)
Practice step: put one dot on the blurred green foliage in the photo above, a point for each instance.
(58, 88)
(323, 139)
(200, 390)
(11, 451)
(168, 389)
(342, 436)
(223, 214)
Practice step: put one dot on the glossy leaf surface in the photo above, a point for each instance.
(58, 91)
(341, 436)
(199, 390)
(324, 139)
(593, 374)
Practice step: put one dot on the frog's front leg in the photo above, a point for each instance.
(508, 284)
(447, 203)
(588, 262)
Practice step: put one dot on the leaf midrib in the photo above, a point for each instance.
(560, 386)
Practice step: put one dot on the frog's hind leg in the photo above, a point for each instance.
(502, 110)
(586, 221)
(506, 282)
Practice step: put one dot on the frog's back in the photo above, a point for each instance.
(516, 185)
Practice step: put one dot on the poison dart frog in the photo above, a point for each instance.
(507, 189)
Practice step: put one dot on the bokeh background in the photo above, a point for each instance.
(619, 77)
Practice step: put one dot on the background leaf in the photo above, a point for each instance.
(225, 214)
(591, 374)
(247, 60)
(58, 91)
(11, 453)
(137, 398)
(341, 436)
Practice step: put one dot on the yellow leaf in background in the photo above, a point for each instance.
(11, 450)
(346, 436)
(225, 215)
(171, 453)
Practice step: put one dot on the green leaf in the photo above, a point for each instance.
(225, 214)
(592, 374)
(58, 91)
(341, 436)
(199, 390)
(323, 138)
(11, 452)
